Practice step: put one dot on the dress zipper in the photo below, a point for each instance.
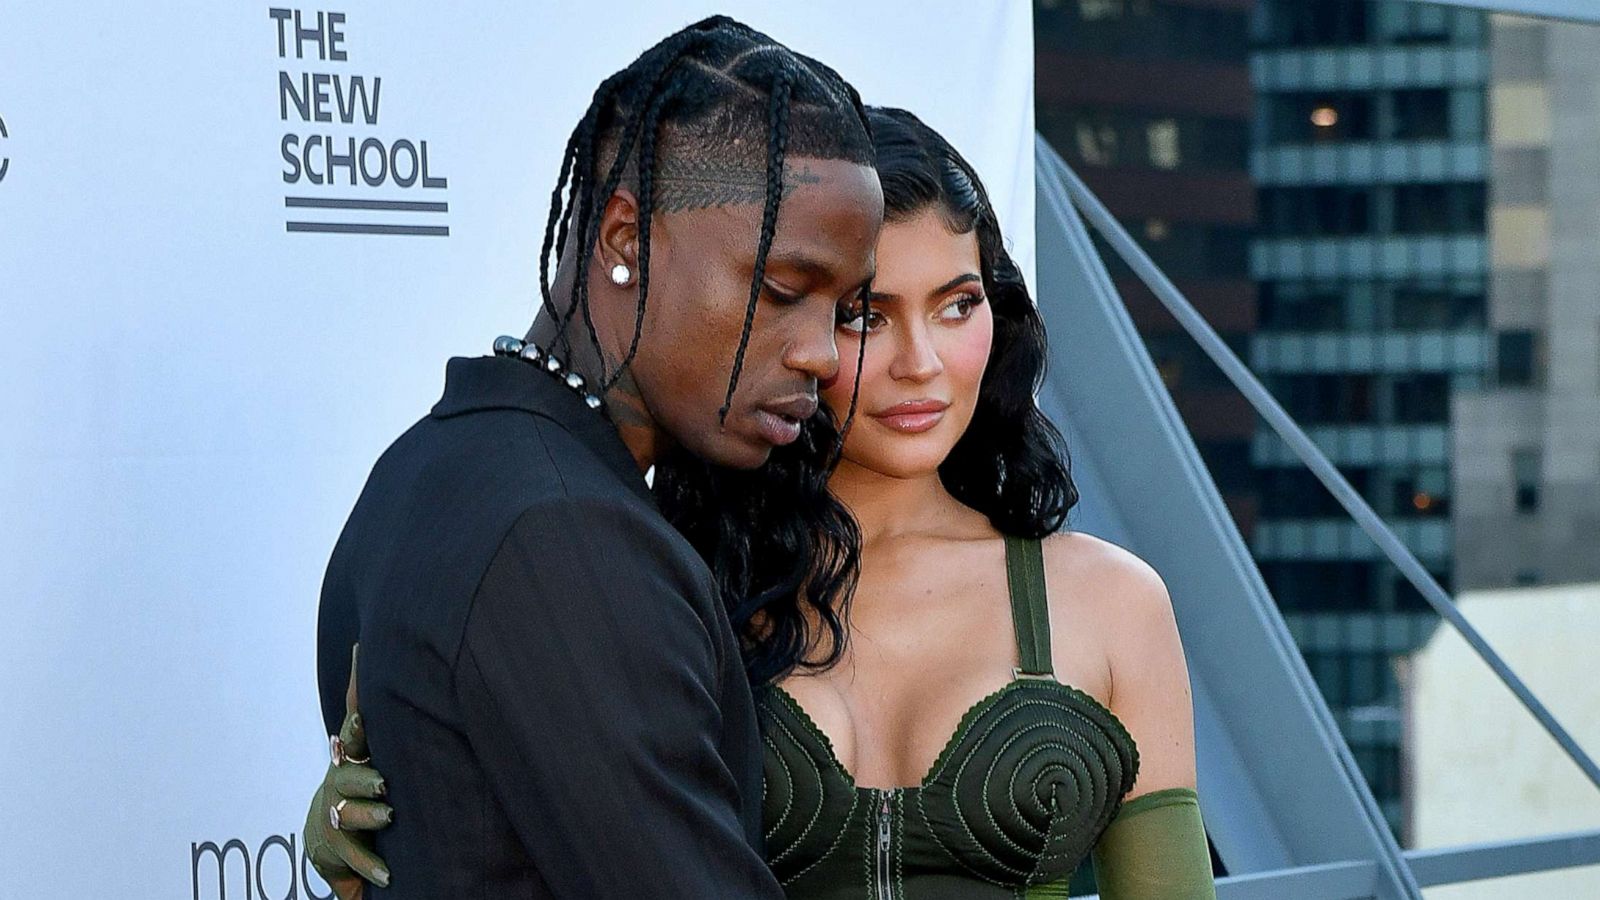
(885, 835)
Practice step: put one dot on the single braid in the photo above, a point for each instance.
(585, 205)
(556, 210)
(647, 206)
(650, 78)
(777, 145)
(855, 389)
(580, 149)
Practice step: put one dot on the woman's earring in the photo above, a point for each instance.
(621, 274)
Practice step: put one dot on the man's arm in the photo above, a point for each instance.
(588, 680)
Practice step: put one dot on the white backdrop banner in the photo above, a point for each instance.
(237, 243)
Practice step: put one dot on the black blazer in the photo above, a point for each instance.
(550, 685)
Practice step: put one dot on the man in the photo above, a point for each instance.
(553, 681)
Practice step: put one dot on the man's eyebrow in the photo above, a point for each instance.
(808, 266)
(952, 284)
(815, 269)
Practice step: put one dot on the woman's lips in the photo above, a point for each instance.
(913, 416)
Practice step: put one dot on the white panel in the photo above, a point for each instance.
(193, 395)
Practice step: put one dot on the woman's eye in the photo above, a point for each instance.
(960, 308)
(852, 320)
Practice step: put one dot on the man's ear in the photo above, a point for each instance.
(619, 235)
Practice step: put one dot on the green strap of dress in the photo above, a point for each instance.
(1155, 848)
(1030, 610)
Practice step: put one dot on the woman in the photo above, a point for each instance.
(1002, 699)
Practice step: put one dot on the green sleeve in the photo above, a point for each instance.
(1155, 849)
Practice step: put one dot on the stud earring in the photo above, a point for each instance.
(620, 274)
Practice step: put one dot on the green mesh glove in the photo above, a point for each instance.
(1155, 849)
(346, 808)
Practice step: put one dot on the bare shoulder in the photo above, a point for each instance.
(1148, 687)
(1103, 579)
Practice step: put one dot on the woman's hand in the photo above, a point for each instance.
(346, 808)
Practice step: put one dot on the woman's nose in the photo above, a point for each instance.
(916, 358)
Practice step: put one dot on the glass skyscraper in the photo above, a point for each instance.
(1150, 103)
(1370, 158)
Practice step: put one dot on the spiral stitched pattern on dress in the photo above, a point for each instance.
(1037, 771)
(808, 799)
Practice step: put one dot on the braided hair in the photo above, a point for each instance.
(714, 97)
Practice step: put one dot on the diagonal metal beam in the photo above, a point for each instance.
(1293, 435)
(1279, 787)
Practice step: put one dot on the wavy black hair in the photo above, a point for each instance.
(1011, 464)
(785, 551)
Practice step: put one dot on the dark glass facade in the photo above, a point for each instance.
(1368, 149)
(1311, 174)
(1150, 103)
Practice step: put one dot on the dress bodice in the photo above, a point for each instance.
(1017, 798)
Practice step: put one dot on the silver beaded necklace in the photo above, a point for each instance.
(534, 355)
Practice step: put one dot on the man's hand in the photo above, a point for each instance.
(346, 808)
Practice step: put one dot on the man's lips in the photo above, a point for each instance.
(779, 420)
(913, 416)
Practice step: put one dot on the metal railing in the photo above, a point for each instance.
(1350, 879)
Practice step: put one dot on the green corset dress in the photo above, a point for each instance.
(1014, 802)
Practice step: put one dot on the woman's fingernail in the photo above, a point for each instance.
(381, 876)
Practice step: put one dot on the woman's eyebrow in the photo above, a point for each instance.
(945, 288)
(955, 282)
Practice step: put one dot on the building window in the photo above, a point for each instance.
(1514, 358)
(1296, 493)
(1441, 304)
(1319, 585)
(1422, 494)
(1303, 118)
(1097, 144)
(1417, 23)
(1128, 138)
(1422, 114)
(1380, 763)
(1179, 358)
(1525, 477)
(1302, 306)
(1296, 23)
(1316, 211)
(1186, 249)
(1097, 10)
(1161, 139)
(1422, 398)
(1141, 28)
(1325, 399)
(1439, 209)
